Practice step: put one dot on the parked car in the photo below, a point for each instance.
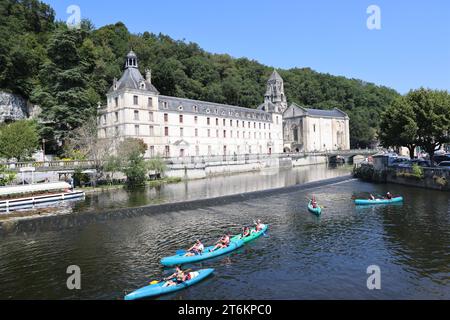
(421, 162)
(444, 164)
(440, 158)
(397, 161)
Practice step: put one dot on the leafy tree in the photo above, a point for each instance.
(6, 176)
(18, 140)
(432, 113)
(131, 153)
(398, 127)
(157, 164)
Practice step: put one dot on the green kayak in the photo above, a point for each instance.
(254, 235)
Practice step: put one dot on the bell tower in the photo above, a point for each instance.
(275, 92)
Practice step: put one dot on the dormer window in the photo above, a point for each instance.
(180, 107)
(195, 109)
(208, 111)
(165, 105)
(142, 85)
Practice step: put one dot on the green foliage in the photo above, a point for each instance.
(68, 71)
(157, 164)
(131, 153)
(417, 171)
(421, 118)
(18, 140)
(6, 176)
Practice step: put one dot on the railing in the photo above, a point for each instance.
(213, 159)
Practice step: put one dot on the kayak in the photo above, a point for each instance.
(378, 201)
(159, 289)
(253, 236)
(181, 259)
(317, 211)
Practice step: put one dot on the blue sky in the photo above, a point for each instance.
(412, 49)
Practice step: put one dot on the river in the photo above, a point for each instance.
(301, 257)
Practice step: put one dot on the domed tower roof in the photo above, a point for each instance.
(132, 77)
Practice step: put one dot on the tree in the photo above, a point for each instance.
(131, 153)
(6, 176)
(157, 164)
(18, 140)
(84, 143)
(432, 114)
(398, 126)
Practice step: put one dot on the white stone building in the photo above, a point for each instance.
(312, 130)
(178, 127)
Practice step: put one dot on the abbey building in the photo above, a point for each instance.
(179, 127)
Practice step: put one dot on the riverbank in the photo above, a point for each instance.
(427, 178)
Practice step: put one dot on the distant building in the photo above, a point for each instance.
(179, 127)
(310, 130)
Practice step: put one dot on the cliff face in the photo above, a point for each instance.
(13, 107)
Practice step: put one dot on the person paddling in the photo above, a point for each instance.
(314, 202)
(222, 243)
(196, 249)
(371, 197)
(246, 232)
(179, 276)
(259, 225)
(389, 196)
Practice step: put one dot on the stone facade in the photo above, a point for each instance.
(178, 127)
(12, 107)
(312, 130)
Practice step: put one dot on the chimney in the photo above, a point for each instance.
(148, 75)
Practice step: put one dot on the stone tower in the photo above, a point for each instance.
(275, 92)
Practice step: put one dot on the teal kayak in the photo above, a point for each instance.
(253, 235)
(378, 201)
(317, 211)
(180, 259)
(159, 289)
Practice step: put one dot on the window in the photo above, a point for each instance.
(196, 119)
(254, 134)
(209, 133)
(254, 125)
(209, 150)
(237, 123)
(135, 100)
(231, 123)
(249, 124)
(208, 121)
(314, 128)
(217, 121)
(277, 119)
(224, 122)
(197, 151)
(150, 103)
(166, 117)
(181, 153)
(136, 130)
(264, 126)
(152, 151)
(181, 118)
(116, 116)
(116, 102)
(116, 130)
(151, 131)
(196, 132)
(166, 131)
(181, 132)
(167, 151)
(270, 135)
(217, 133)
(238, 134)
(150, 116)
(136, 115)
(260, 126)
(231, 134)
(224, 133)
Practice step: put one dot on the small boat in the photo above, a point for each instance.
(317, 211)
(159, 289)
(378, 201)
(180, 259)
(253, 236)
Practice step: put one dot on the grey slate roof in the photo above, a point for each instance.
(132, 79)
(303, 111)
(275, 76)
(184, 105)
